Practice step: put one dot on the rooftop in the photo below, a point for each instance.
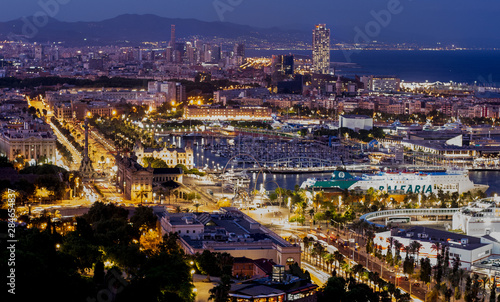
(354, 116)
(461, 241)
(265, 287)
(227, 227)
(167, 171)
(183, 219)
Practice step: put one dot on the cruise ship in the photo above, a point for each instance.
(401, 182)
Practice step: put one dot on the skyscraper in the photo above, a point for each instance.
(321, 49)
(216, 50)
(172, 36)
(239, 50)
(283, 64)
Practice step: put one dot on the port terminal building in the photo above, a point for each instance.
(469, 249)
(231, 231)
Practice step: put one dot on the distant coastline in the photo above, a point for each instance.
(481, 67)
(371, 48)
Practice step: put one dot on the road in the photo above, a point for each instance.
(317, 276)
(77, 157)
(98, 147)
(275, 222)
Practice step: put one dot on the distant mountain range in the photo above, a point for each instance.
(133, 29)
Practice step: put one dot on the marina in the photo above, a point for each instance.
(289, 176)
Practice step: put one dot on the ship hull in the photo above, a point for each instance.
(404, 183)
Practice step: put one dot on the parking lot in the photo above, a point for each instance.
(487, 267)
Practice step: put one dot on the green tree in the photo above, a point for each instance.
(144, 216)
(39, 265)
(225, 263)
(207, 263)
(408, 263)
(425, 270)
(333, 291)
(493, 288)
(339, 258)
(98, 273)
(220, 293)
(154, 162)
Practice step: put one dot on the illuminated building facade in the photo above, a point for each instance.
(30, 144)
(78, 109)
(172, 156)
(135, 181)
(235, 113)
(321, 49)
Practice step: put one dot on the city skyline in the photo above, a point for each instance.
(232, 150)
(446, 21)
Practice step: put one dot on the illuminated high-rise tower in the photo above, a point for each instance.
(172, 36)
(321, 49)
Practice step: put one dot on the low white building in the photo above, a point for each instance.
(356, 122)
(479, 218)
(469, 249)
(184, 224)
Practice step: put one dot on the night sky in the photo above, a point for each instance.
(421, 19)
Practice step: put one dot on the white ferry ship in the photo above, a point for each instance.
(401, 182)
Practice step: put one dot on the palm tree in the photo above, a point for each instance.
(318, 200)
(385, 197)
(391, 289)
(416, 248)
(220, 293)
(408, 250)
(373, 276)
(390, 240)
(322, 253)
(461, 276)
(398, 245)
(357, 269)
(311, 215)
(493, 287)
(369, 241)
(346, 268)
(319, 251)
(314, 253)
(376, 281)
(338, 257)
(365, 276)
(369, 276)
(436, 246)
(224, 260)
(307, 242)
(329, 259)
